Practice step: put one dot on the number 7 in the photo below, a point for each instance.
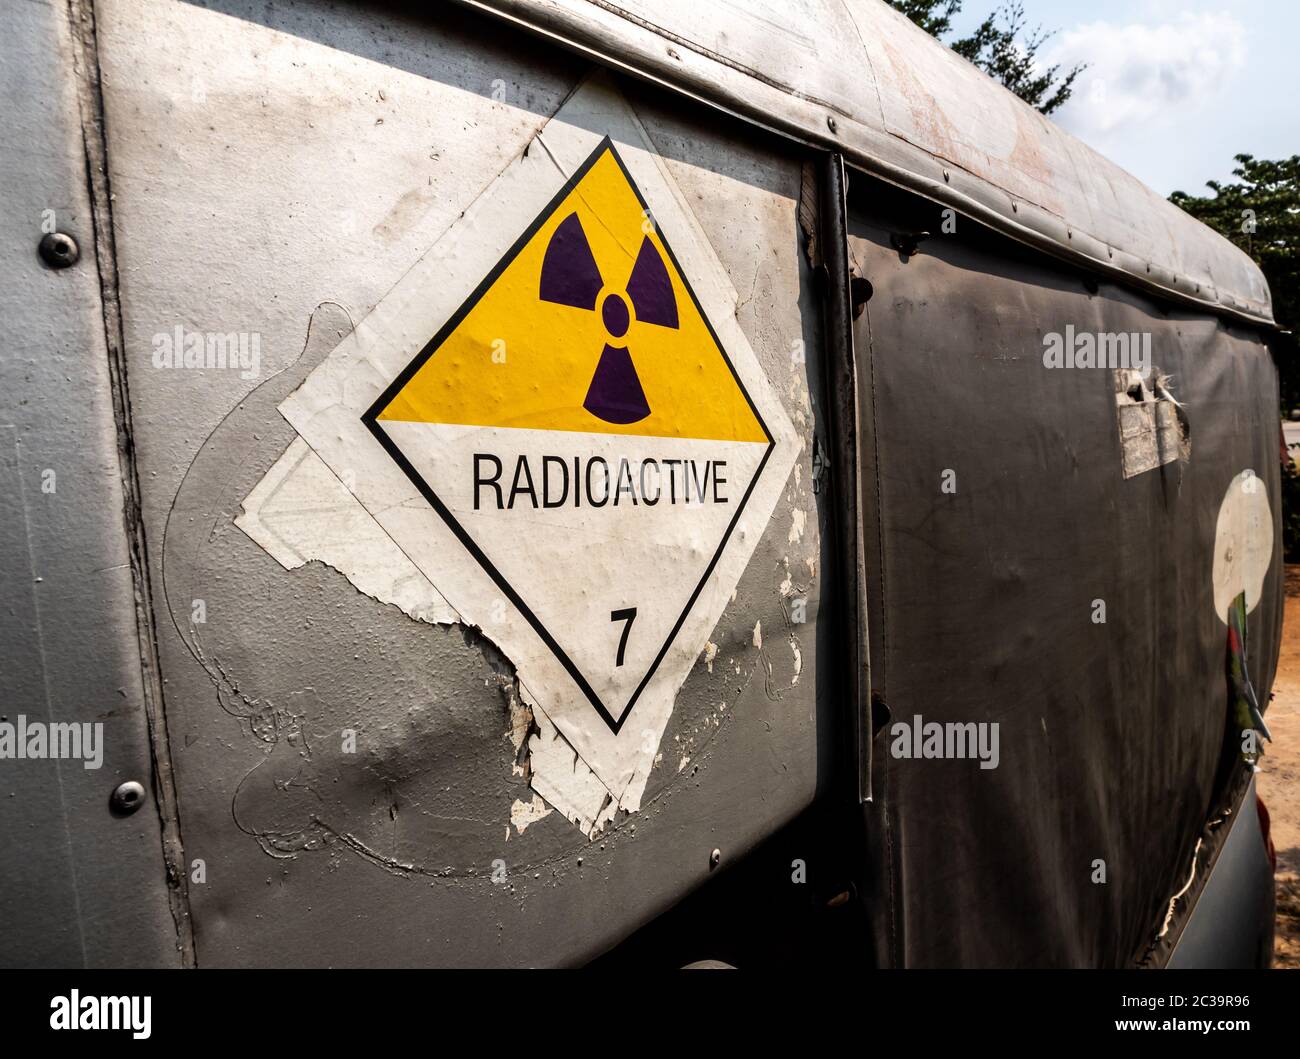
(629, 616)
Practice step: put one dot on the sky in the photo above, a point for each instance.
(1174, 90)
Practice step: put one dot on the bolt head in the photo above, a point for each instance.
(59, 250)
(127, 798)
(715, 858)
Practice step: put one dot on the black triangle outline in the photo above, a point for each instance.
(371, 416)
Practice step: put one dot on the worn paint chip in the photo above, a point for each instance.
(524, 813)
(710, 653)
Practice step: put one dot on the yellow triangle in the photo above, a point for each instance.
(514, 359)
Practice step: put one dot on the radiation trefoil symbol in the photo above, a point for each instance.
(570, 277)
(580, 428)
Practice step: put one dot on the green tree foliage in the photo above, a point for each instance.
(1260, 212)
(1002, 46)
(1290, 512)
(933, 16)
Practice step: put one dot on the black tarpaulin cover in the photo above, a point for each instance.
(1002, 505)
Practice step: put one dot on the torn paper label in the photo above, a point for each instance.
(1243, 543)
(300, 512)
(556, 421)
(1153, 427)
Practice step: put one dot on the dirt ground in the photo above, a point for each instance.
(1279, 780)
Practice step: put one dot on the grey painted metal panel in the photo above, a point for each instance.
(78, 886)
(858, 77)
(294, 176)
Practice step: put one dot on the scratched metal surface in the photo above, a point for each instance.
(78, 887)
(293, 175)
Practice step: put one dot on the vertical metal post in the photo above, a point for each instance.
(846, 476)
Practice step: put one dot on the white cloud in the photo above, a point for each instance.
(1136, 72)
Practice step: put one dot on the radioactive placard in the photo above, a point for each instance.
(558, 421)
(579, 426)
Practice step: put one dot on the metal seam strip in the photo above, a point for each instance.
(90, 101)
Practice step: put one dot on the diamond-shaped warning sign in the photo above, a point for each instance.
(558, 429)
(578, 425)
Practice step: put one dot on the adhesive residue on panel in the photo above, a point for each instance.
(1153, 427)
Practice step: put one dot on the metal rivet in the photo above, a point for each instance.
(946, 177)
(127, 798)
(832, 124)
(715, 858)
(59, 250)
